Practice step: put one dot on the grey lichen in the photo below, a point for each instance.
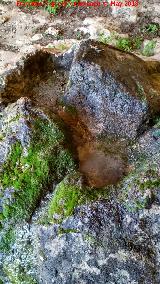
(139, 187)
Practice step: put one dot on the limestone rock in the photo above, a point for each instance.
(94, 27)
(52, 31)
(37, 37)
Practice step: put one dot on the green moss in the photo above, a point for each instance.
(1, 136)
(17, 275)
(64, 201)
(157, 121)
(140, 90)
(7, 239)
(62, 231)
(30, 175)
(71, 109)
(89, 238)
(135, 186)
(68, 195)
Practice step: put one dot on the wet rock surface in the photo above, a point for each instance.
(102, 169)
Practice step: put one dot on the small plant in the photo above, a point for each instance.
(59, 37)
(54, 5)
(152, 28)
(148, 50)
(61, 46)
(137, 42)
(124, 44)
(102, 38)
(78, 35)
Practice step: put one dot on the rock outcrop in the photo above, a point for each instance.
(82, 209)
(111, 90)
(32, 156)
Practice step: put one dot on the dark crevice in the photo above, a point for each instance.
(30, 72)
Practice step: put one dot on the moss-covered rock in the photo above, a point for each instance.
(69, 194)
(16, 274)
(27, 173)
(33, 156)
(66, 197)
(140, 187)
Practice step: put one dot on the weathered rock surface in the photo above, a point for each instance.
(26, 73)
(112, 240)
(56, 225)
(110, 246)
(110, 89)
(151, 9)
(32, 156)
